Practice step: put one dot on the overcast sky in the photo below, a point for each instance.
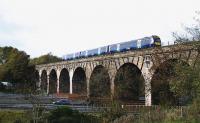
(65, 26)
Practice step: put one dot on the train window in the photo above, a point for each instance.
(157, 41)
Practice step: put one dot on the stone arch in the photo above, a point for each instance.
(129, 84)
(43, 85)
(52, 81)
(95, 64)
(160, 87)
(136, 60)
(99, 83)
(163, 58)
(64, 81)
(81, 65)
(79, 81)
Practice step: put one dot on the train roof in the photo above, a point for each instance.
(155, 36)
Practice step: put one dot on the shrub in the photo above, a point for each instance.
(14, 116)
(64, 114)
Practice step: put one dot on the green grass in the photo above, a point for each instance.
(14, 116)
(24, 116)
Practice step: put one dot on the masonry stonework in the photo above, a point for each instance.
(147, 60)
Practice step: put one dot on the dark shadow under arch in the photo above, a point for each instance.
(129, 83)
(52, 82)
(43, 85)
(64, 79)
(100, 83)
(37, 78)
(79, 81)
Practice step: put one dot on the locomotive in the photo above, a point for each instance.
(146, 42)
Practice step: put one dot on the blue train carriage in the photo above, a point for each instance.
(114, 48)
(147, 42)
(70, 56)
(129, 45)
(77, 55)
(103, 50)
(83, 54)
(93, 52)
(80, 54)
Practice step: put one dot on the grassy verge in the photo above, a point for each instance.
(14, 116)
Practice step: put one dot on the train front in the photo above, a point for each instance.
(157, 41)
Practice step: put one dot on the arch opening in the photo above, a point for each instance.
(52, 82)
(129, 84)
(160, 84)
(100, 83)
(43, 85)
(64, 84)
(79, 81)
(37, 80)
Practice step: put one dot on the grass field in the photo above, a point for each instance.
(14, 116)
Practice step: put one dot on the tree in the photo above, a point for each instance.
(192, 33)
(45, 59)
(15, 67)
(187, 83)
(161, 93)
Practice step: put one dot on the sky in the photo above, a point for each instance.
(66, 26)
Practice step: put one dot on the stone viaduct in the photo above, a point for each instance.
(146, 61)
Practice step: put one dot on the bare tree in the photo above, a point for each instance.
(192, 33)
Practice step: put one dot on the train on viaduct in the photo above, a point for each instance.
(122, 75)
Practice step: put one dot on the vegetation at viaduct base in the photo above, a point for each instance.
(114, 114)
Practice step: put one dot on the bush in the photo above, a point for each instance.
(192, 114)
(112, 113)
(14, 116)
(64, 114)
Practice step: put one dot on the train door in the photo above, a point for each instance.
(108, 49)
(99, 51)
(139, 45)
(86, 53)
(118, 47)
